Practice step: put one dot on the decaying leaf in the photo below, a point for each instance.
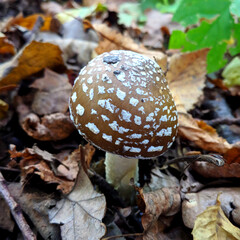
(53, 93)
(3, 108)
(6, 221)
(29, 21)
(53, 127)
(32, 59)
(186, 77)
(36, 161)
(195, 203)
(6, 47)
(208, 170)
(162, 202)
(213, 224)
(113, 40)
(80, 213)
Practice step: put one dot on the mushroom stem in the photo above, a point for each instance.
(119, 172)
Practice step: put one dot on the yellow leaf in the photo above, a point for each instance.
(212, 224)
(3, 109)
(32, 59)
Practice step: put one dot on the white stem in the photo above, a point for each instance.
(119, 171)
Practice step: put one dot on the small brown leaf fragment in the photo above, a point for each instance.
(6, 47)
(164, 201)
(53, 95)
(80, 213)
(31, 59)
(213, 224)
(53, 127)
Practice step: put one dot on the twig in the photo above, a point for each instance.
(123, 235)
(227, 121)
(216, 159)
(16, 211)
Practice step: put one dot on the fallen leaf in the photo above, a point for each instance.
(35, 204)
(187, 76)
(29, 21)
(51, 127)
(3, 109)
(6, 221)
(195, 203)
(36, 161)
(80, 213)
(161, 202)
(208, 170)
(113, 40)
(231, 73)
(213, 224)
(6, 47)
(31, 59)
(53, 93)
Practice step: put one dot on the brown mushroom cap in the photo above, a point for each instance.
(121, 103)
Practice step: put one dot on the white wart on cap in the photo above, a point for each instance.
(121, 103)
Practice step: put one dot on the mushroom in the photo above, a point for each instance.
(121, 103)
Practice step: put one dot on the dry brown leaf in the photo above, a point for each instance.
(186, 76)
(113, 40)
(37, 161)
(80, 213)
(3, 109)
(29, 21)
(6, 47)
(212, 224)
(53, 95)
(195, 203)
(208, 170)
(6, 221)
(51, 127)
(161, 202)
(32, 59)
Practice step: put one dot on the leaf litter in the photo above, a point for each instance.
(35, 87)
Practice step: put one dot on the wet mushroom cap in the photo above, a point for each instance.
(121, 103)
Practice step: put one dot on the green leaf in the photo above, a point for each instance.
(208, 35)
(236, 34)
(232, 73)
(215, 57)
(235, 7)
(190, 11)
(178, 40)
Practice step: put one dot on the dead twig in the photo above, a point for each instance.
(227, 121)
(16, 211)
(215, 159)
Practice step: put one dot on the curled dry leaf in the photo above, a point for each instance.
(31, 59)
(80, 213)
(53, 93)
(36, 161)
(213, 224)
(51, 127)
(208, 170)
(195, 203)
(6, 47)
(113, 40)
(162, 202)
